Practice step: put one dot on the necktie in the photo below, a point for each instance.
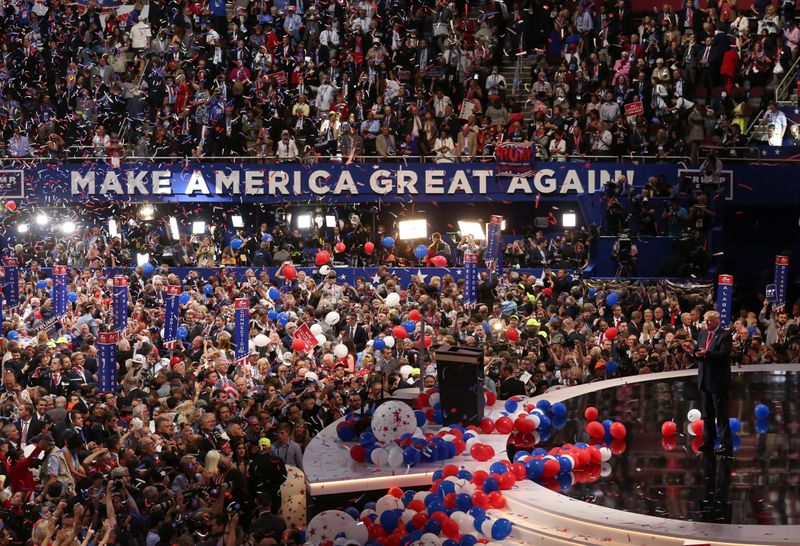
(24, 439)
(706, 54)
(708, 340)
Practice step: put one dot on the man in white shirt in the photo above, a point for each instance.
(774, 116)
(496, 82)
(140, 35)
(440, 103)
(286, 149)
(325, 95)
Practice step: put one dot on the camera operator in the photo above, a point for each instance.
(625, 253)
(711, 170)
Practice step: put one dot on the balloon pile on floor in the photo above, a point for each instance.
(454, 512)
(696, 426)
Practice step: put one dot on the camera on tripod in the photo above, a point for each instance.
(623, 250)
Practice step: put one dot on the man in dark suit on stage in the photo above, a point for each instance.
(714, 347)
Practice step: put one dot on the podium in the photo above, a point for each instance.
(459, 373)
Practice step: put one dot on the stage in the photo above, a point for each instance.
(649, 495)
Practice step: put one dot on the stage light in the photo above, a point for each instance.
(68, 227)
(23, 228)
(330, 221)
(198, 227)
(173, 229)
(42, 219)
(237, 221)
(147, 212)
(468, 227)
(304, 221)
(142, 259)
(569, 219)
(113, 229)
(413, 229)
(503, 225)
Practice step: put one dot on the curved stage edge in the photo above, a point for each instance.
(541, 516)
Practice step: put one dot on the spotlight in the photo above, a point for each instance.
(23, 228)
(569, 219)
(304, 221)
(198, 227)
(237, 221)
(41, 219)
(468, 227)
(147, 212)
(173, 229)
(142, 259)
(413, 229)
(68, 227)
(113, 229)
(503, 225)
(330, 221)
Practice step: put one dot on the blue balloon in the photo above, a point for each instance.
(12, 335)
(208, 290)
(520, 455)
(486, 327)
(535, 468)
(511, 406)
(611, 367)
(564, 481)
(468, 540)
(464, 475)
(353, 512)
(420, 415)
(409, 326)
(607, 425)
(283, 318)
(367, 439)
(411, 456)
(490, 484)
(558, 409)
(501, 528)
(274, 294)
(539, 451)
(735, 424)
(762, 411)
(592, 293)
(613, 298)
(445, 488)
(421, 251)
(762, 426)
(379, 344)
(388, 242)
(543, 405)
(41, 285)
(736, 442)
(433, 526)
(185, 297)
(438, 417)
(407, 497)
(498, 468)
(544, 423)
(272, 315)
(389, 519)
(450, 542)
(236, 244)
(559, 421)
(346, 431)
(463, 502)
(72, 297)
(565, 464)
(148, 269)
(182, 332)
(266, 238)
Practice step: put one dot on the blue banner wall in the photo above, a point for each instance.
(241, 329)
(171, 316)
(11, 287)
(724, 299)
(107, 361)
(119, 303)
(781, 281)
(60, 290)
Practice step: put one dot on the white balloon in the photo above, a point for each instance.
(388, 502)
(535, 419)
(295, 481)
(429, 539)
(421, 495)
(379, 457)
(393, 299)
(332, 318)
(689, 429)
(605, 469)
(605, 454)
(389, 341)
(396, 457)
(391, 420)
(312, 375)
(316, 329)
(356, 530)
(418, 433)
(434, 399)
(321, 338)
(407, 515)
(367, 512)
(326, 525)
(294, 509)
(340, 350)
(693, 415)
(261, 340)
(324, 270)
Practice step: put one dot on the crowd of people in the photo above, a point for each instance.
(293, 79)
(195, 445)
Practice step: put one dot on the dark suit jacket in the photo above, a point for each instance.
(510, 387)
(34, 429)
(714, 373)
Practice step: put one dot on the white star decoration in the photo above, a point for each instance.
(459, 272)
(376, 279)
(420, 275)
(343, 277)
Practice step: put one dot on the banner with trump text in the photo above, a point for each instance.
(515, 159)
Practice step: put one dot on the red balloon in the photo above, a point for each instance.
(595, 429)
(450, 528)
(322, 257)
(594, 454)
(496, 498)
(399, 332)
(395, 492)
(590, 413)
(479, 477)
(358, 453)
(519, 470)
(417, 506)
(419, 520)
(524, 425)
(339, 247)
(428, 341)
(618, 430)
(618, 447)
(669, 428)
(449, 470)
(507, 481)
(414, 315)
(298, 345)
(512, 334)
(369, 247)
(668, 443)
(459, 443)
(581, 456)
(289, 272)
(611, 333)
(490, 450)
(439, 261)
(504, 425)
(551, 468)
(11, 206)
(491, 398)
(449, 501)
(697, 427)
(481, 499)
(697, 443)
